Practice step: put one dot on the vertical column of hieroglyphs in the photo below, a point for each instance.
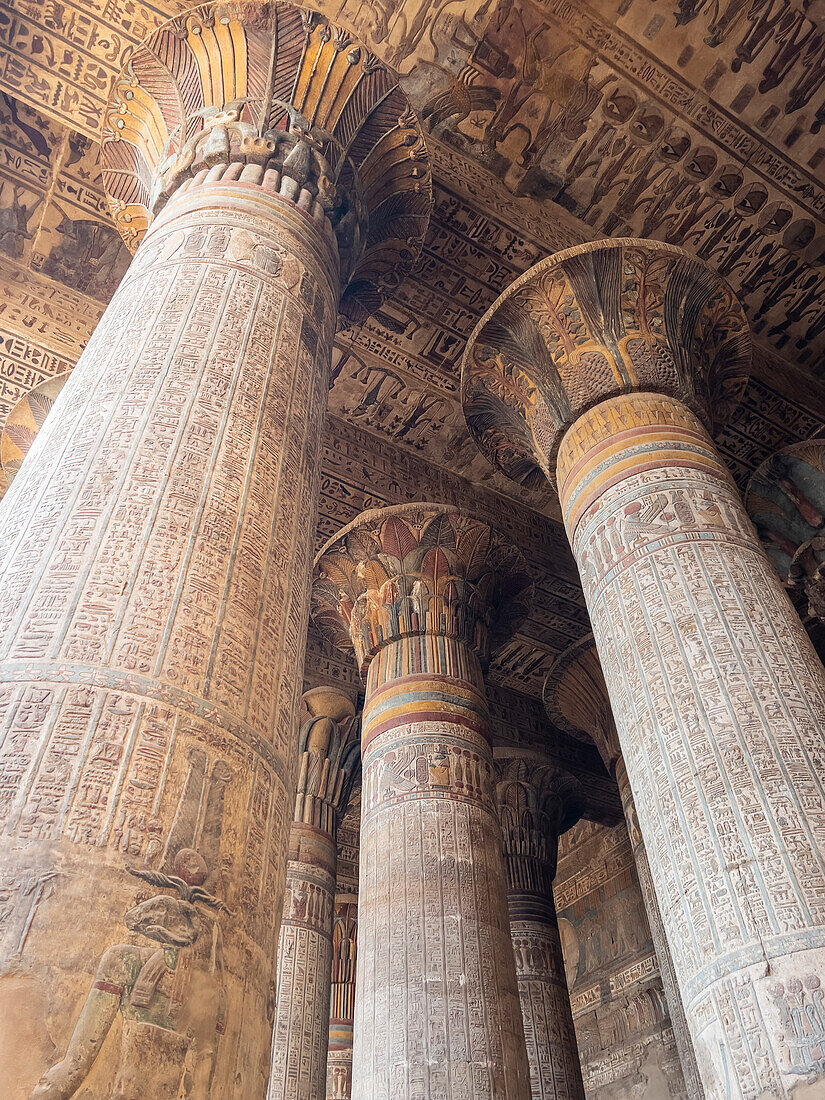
(155, 559)
(536, 804)
(718, 697)
(422, 593)
(329, 759)
(576, 699)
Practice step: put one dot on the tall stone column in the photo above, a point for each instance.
(607, 364)
(576, 698)
(328, 761)
(424, 594)
(342, 1002)
(155, 558)
(536, 804)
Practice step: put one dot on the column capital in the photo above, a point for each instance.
(329, 759)
(785, 499)
(419, 569)
(576, 699)
(537, 802)
(274, 97)
(596, 321)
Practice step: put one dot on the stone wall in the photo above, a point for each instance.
(622, 1024)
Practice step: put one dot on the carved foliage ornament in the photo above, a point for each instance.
(329, 760)
(536, 804)
(419, 569)
(275, 96)
(592, 322)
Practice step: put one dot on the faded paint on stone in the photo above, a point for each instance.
(423, 593)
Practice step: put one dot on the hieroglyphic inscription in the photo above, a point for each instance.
(435, 961)
(719, 720)
(621, 1019)
(151, 602)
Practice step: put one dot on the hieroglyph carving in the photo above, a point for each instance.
(329, 759)
(422, 593)
(155, 558)
(536, 804)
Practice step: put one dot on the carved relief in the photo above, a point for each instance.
(423, 592)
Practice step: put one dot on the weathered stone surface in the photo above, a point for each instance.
(576, 697)
(536, 804)
(718, 696)
(342, 1001)
(328, 762)
(155, 558)
(423, 593)
(344, 955)
(625, 1035)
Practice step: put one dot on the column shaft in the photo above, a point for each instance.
(154, 583)
(681, 1031)
(301, 1035)
(719, 701)
(342, 1006)
(329, 755)
(537, 802)
(552, 1051)
(437, 1012)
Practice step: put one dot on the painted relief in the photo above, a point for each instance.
(53, 219)
(786, 501)
(395, 410)
(697, 123)
(625, 1035)
(169, 995)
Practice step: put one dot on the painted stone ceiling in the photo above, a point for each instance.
(696, 121)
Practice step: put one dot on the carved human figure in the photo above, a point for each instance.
(171, 997)
(155, 546)
(605, 367)
(423, 593)
(536, 804)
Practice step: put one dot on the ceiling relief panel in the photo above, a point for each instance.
(697, 122)
(609, 111)
(53, 220)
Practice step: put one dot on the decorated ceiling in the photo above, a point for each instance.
(699, 122)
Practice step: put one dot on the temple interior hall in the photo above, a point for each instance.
(412, 550)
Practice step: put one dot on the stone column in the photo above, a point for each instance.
(536, 804)
(155, 558)
(576, 699)
(608, 363)
(424, 594)
(342, 1004)
(329, 759)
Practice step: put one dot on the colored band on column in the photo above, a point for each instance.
(424, 698)
(623, 436)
